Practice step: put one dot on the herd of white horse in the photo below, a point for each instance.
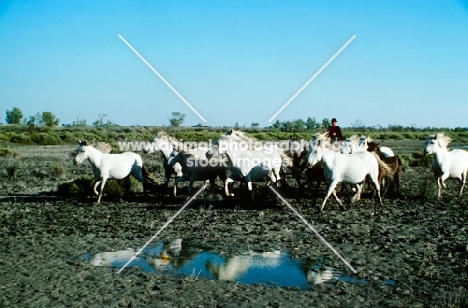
(234, 157)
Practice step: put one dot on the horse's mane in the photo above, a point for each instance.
(286, 159)
(162, 135)
(104, 147)
(321, 137)
(236, 136)
(354, 139)
(443, 140)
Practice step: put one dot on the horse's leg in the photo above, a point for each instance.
(441, 182)
(189, 189)
(377, 188)
(176, 181)
(103, 182)
(226, 187)
(249, 185)
(331, 189)
(358, 192)
(277, 178)
(96, 183)
(439, 185)
(462, 182)
(212, 182)
(398, 176)
(127, 184)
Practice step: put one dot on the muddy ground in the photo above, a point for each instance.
(414, 239)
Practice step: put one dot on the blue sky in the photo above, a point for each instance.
(237, 61)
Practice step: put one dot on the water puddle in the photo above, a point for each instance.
(272, 268)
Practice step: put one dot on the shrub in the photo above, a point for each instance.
(8, 152)
(428, 190)
(68, 137)
(12, 169)
(22, 138)
(46, 139)
(80, 187)
(58, 170)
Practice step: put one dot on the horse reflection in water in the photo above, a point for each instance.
(111, 257)
(271, 267)
(237, 265)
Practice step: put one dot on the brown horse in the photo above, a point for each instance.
(394, 162)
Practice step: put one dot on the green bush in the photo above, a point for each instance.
(58, 170)
(12, 169)
(46, 139)
(21, 138)
(8, 152)
(80, 187)
(68, 137)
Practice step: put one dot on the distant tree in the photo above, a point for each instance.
(14, 116)
(277, 124)
(287, 126)
(326, 124)
(177, 119)
(48, 119)
(236, 126)
(311, 123)
(101, 123)
(298, 126)
(34, 120)
(79, 122)
(358, 124)
(255, 124)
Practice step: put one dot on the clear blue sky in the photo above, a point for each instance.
(237, 61)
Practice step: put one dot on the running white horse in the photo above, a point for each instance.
(111, 166)
(346, 168)
(167, 146)
(246, 165)
(195, 168)
(446, 164)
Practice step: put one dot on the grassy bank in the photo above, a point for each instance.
(25, 135)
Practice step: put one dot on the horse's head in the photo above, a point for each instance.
(348, 147)
(214, 150)
(82, 152)
(373, 146)
(150, 146)
(435, 143)
(315, 151)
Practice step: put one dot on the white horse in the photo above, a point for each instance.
(246, 165)
(111, 166)
(350, 145)
(346, 168)
(195, 168)
(446, 164)
(167, 146)
(363, 144)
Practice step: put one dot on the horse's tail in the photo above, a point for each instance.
(385, 170)
(147, 175)
(288, 160)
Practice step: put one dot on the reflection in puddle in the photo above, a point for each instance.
(273, 268)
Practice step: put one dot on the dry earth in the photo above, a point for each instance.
(414, 239)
